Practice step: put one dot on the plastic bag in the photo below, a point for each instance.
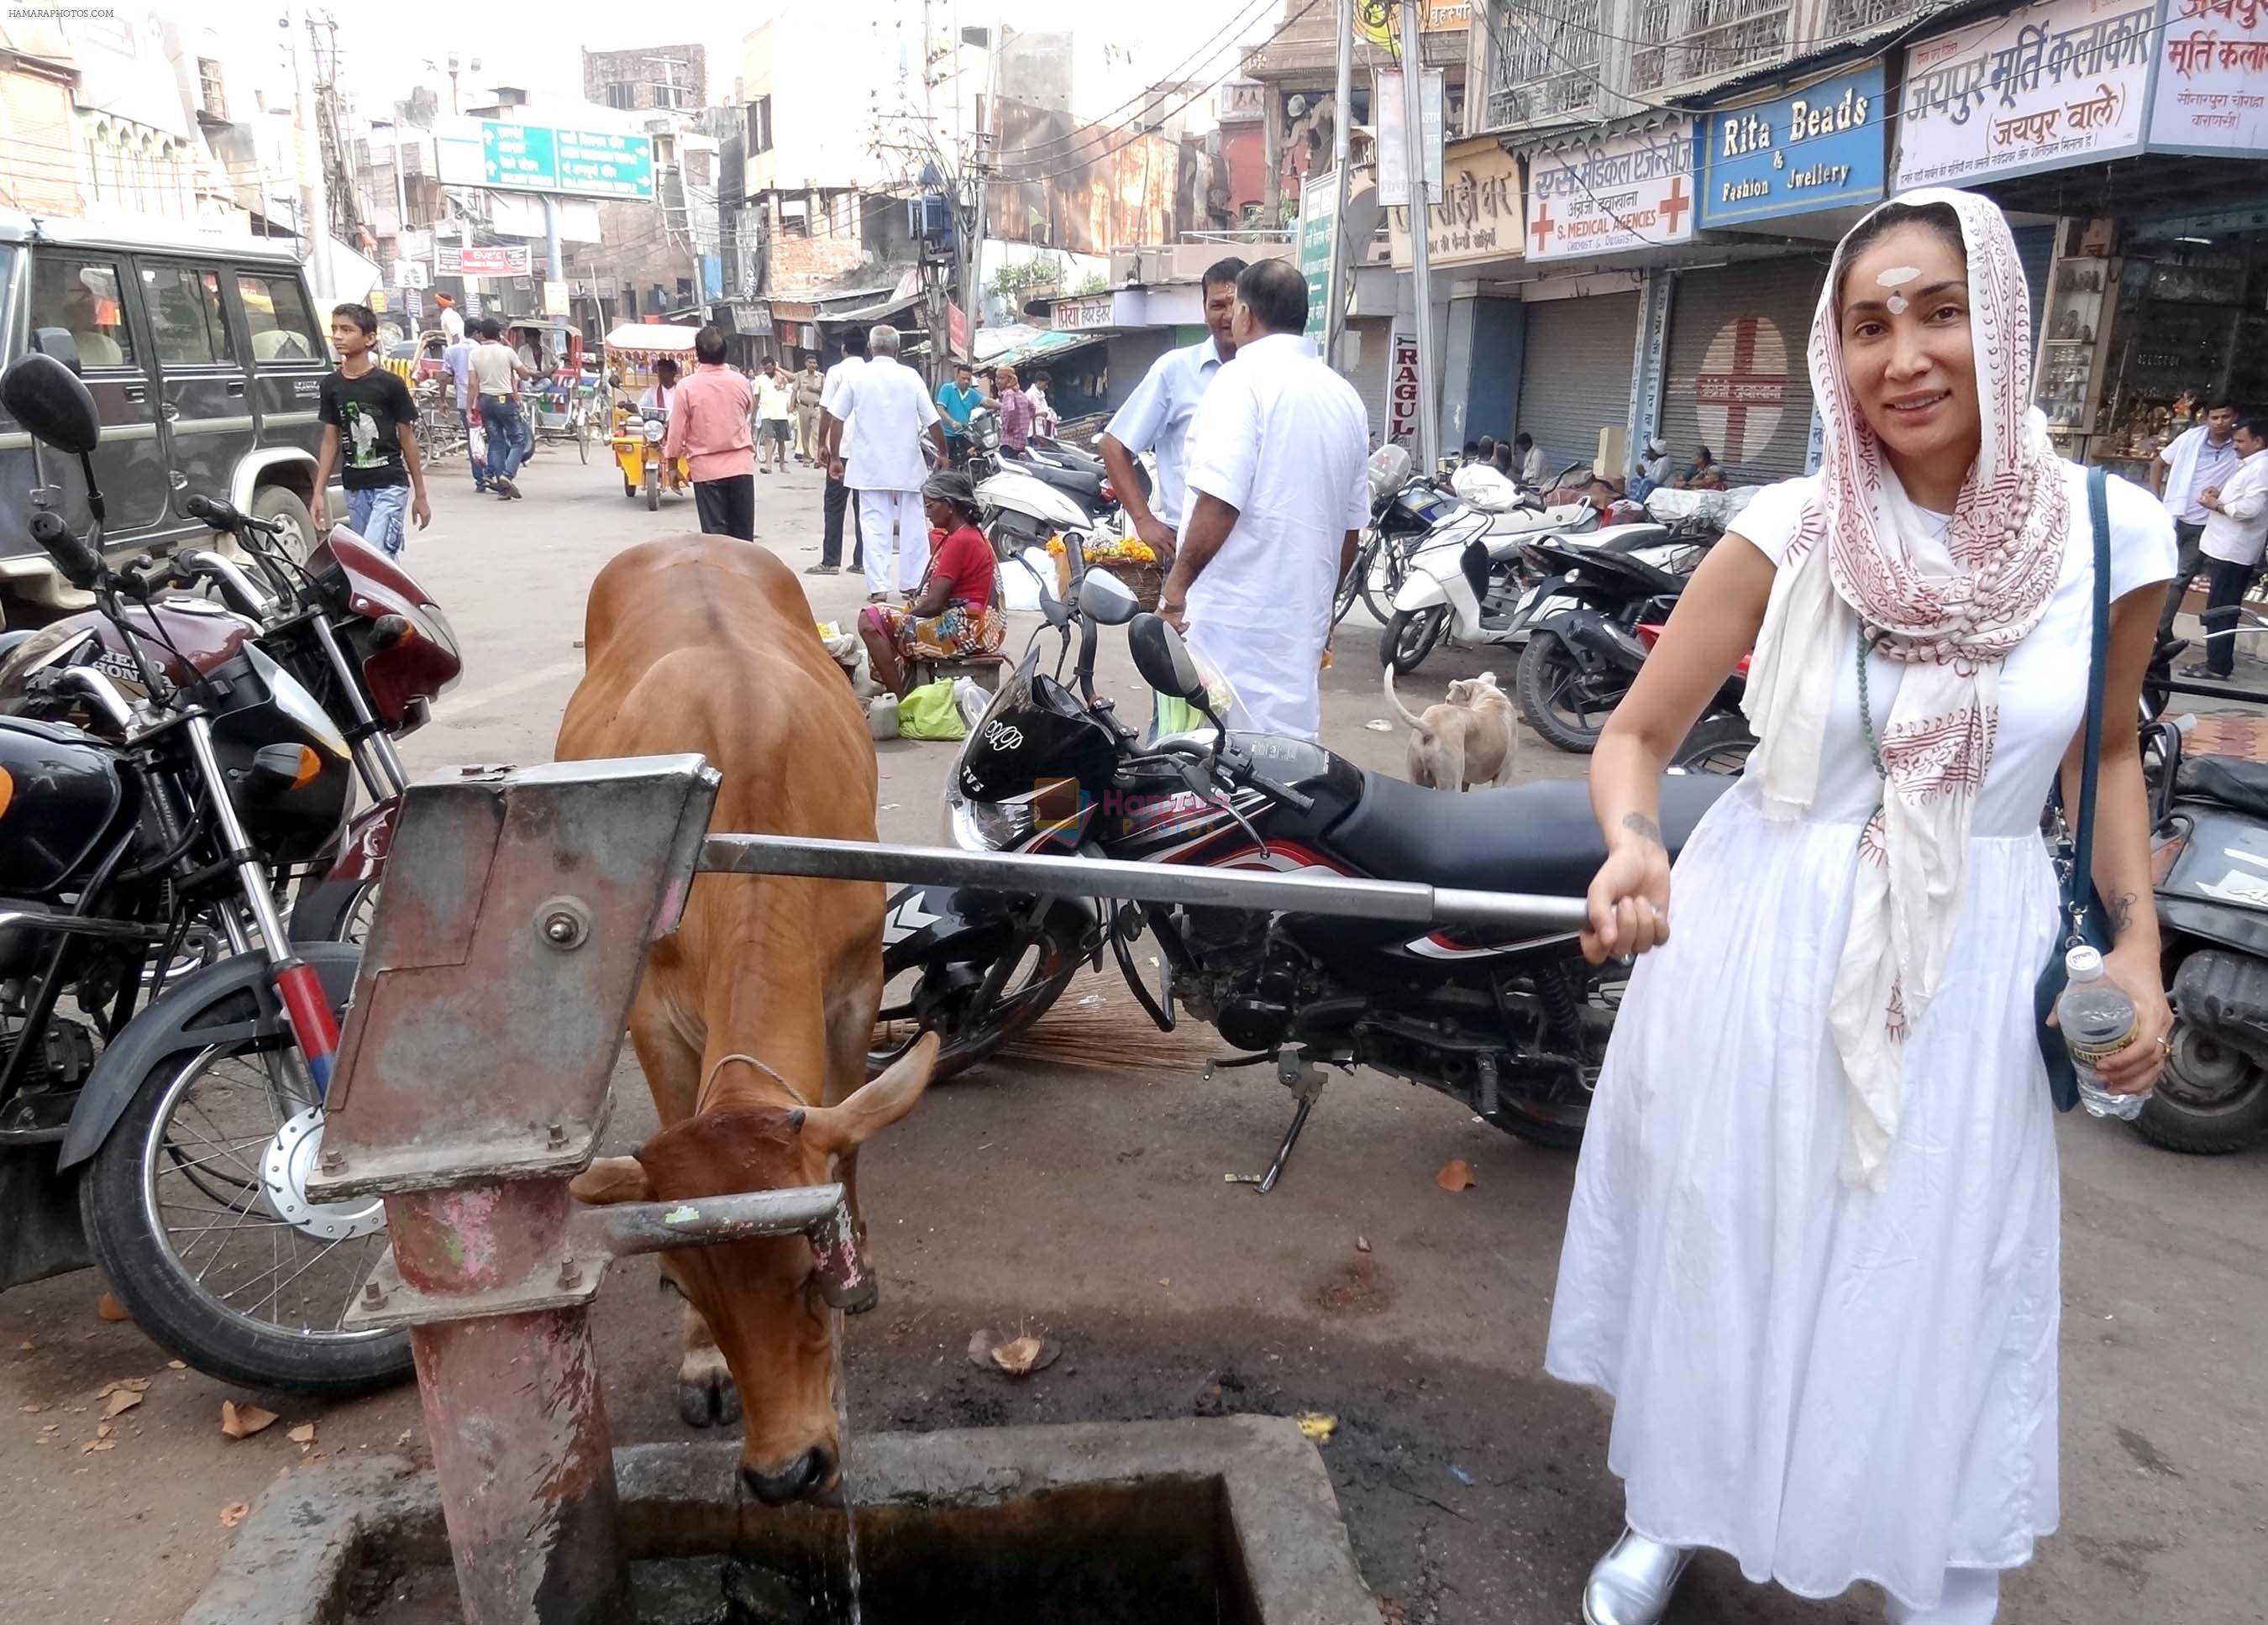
(929, 713)
(971, 699)
(1022, 576)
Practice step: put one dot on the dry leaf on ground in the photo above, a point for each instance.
(26, 1345)
(234, 1513)
(1455, 1175)
(1018, 1357)
(243, 1421)
(123, 1400)
(110, 1309)
(175, 1365)
(304, 1434)
(1362, 1244)
(129, 1384)
(31, 1411)
(94, 1445)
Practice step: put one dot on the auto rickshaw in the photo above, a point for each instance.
(632, 349)
(558, 408)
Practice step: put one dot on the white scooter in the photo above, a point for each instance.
(1457, 579)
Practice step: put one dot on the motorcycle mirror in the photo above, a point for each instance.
(48, 400)
(1056, 613)
(1163, 660)
(1106, 600)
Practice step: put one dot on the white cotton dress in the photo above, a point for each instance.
(1829, 1384)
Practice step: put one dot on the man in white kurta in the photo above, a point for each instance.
(1279, 495)
(887, 409)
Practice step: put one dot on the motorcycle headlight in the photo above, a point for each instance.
(988, 825)
(654, 431)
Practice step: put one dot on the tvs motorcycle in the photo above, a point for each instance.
(1513, 1026)
(160, 1108)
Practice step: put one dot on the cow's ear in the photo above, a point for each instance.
(840, 1130)
(611, 1179)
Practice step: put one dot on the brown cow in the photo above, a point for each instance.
(753, 1020)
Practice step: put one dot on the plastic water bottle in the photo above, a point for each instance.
(2096, 1019)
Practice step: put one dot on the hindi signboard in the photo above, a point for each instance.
(513, 156)
(1478, 215)
(499, 260)
(2060, 83)
(2212, 78)
(1604, 196)
(1319, 239)
(1820, 147)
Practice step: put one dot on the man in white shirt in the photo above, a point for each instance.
(2192, 462)
(830, 435)
(2235, 535)
(885, 409)
(1531, 460)
(1280, 492)
(452, 325)
(1155, 418)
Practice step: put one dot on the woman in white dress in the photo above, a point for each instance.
(1812, 1251)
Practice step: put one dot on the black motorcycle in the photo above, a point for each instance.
(163, 1048)
(1582, 658)
(1514, 1025)
(1404, 508)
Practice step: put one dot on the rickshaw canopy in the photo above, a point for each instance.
(652, 338)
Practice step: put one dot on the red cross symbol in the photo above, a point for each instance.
(1673, 207)
(1740, 386)
(1542, 229)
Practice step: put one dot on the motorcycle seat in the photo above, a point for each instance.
(1077, 483)
(2239, 785)
(1540, 838)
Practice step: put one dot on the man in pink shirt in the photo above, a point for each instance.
(709, 428)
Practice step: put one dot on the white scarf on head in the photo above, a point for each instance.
(1951, 631)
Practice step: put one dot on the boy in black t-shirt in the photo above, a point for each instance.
(365, 410)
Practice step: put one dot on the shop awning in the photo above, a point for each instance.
(1015, 346)
(659, 338)
(882, 311)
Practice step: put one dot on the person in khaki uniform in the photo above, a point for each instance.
(808, 383)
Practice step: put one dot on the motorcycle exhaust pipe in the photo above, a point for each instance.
(1605, 641)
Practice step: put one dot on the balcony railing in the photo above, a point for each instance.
(1546, 60)
(1841, 18)
(1700, 39)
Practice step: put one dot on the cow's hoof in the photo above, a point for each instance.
(706, 1397)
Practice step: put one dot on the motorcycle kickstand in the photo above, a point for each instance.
(1298, 1073)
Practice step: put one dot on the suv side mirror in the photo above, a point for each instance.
(59, 343)
(1164, 661)
(47, 398)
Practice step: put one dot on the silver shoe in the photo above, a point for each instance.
(1630, 1585)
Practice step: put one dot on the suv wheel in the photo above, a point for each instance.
(279, 504)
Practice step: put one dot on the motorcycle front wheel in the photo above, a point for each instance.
(919, 994)
(1556, 700)
(195, 1208)
(1411, 635)
(1387, 569)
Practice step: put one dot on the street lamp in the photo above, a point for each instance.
(451, 69)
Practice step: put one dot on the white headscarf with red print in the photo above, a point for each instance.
(1952, 631)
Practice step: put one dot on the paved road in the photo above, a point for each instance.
(1087, 1200)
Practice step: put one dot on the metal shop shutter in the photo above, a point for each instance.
(1737, 382)
(2036, 251)
(1575, 373)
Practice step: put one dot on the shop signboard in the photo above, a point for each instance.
(2212, 78)
(1319, 238)
(2045, 86)
(1478, 215)
(1604, 196)
(1090, 311)
(1401, 388)
(1389, 103)
(1820, 147)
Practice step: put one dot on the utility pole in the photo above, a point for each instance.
(1342, 160)
(1421, 259)
(314, 207)
(978, 165)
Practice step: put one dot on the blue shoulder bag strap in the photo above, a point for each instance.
(2082, 874)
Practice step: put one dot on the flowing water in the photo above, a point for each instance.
(849, 1492)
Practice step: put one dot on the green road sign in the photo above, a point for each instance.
(581, 163)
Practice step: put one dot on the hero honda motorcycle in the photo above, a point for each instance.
(1513, 1026)
(169, 1143)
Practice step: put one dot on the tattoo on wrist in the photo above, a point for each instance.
(1643, 828)
(2122, 914)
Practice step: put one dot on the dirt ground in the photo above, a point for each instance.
(1087, 1203)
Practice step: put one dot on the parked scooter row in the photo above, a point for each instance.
(165, 1041)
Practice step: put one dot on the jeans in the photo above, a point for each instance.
(479, 464)
(2186, 565)
(501, 420)
(379, 516)
(2224, 584)
(728, 507)
(830, 545)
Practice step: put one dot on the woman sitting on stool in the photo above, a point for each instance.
(951, 616)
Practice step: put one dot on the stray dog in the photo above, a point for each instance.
(1467, 740)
